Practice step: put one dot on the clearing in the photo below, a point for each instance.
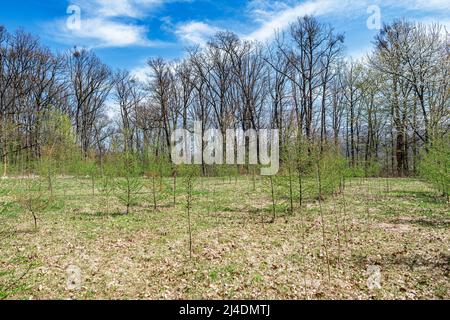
(384, 239)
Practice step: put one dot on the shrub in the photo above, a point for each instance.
(435, 164)
(106, 186)
(129, 183)
(33, 197)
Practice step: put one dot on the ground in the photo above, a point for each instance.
(379, 239)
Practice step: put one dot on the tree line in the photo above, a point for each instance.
(383, 112)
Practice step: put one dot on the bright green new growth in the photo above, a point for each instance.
(190, 174)
(4, 192)
(129, 182)
(34, 197)
(106, 186)
(435, 164)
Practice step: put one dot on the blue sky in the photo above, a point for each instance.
(125, 33)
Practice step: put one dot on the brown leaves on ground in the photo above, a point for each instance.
(237, 255)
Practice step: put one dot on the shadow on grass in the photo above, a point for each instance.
(441, 263)
(105, 214)
(423, 196)
(254, 215)
(425, 222)
(9, 233)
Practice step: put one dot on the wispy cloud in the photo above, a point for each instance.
(108, 23)
(429, 5)
(141, 72)
(278, 15)
(98, 32)
(123, 23)
(278, 20)
(120, 8)
(195, 32)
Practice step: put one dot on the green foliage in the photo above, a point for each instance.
(46, 167)
(106, 186)
(58, 141)
(90, 169)
(435, 164)
(87, 167)
(190, 174)
(372, 169)
(332, 168)
(189, 171)
(165, 167)
(130, 183)
(152, 173)
(58, 146)
(5, 190)
(33, 196)
(156, 168)
(73, 166)
(357, 171)
(301, 156)
(364, 170)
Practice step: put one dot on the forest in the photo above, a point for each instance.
(93, 206)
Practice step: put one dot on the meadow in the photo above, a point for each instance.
(377, 238)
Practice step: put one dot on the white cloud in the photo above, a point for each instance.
(195, 32)
(116, 8)
(360, 53)
(269, 15)
(263, 10)
(104, 33)
(278, 15)
(119, 8)
(141, 73)
(112, 23)
(280, 20)
(108, 23)
(433, 5)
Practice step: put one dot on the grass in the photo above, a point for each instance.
(237, 254)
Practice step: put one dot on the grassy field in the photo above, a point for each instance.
(380, 239)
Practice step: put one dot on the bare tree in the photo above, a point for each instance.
(90, 85)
